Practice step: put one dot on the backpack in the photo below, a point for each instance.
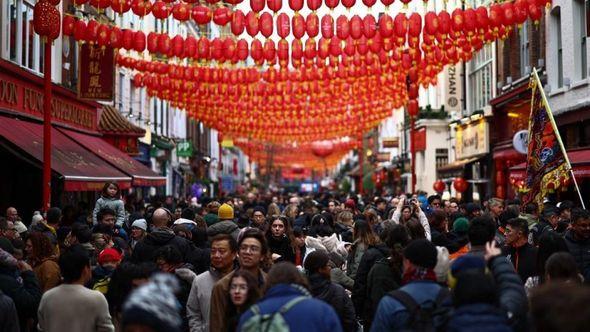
(429, 317)
(271, 322)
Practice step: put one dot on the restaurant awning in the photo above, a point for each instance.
(580, 160)
(456, 165)
(142, 176)
(81, 169)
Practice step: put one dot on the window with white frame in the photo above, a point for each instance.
(578, 7)
(556, 28)
(480, 78)
(21, 44)
(524, 50)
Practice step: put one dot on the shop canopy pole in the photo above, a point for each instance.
(578, 189)
(47, 127)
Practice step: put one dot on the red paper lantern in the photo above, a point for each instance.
(256, 51)
(481, 18)
(257, 5)
(201, 14)
(313, 5)
(222, 16)
(369, 3)
(413, 108)
(91, 31)
(327, 26)
(269, 51)
(310, 49)
(296, 5)
(496, 16)
(120, 6)
(332, 3)
(139, 41)
(322, 149)
(283, 25)
(68, 24)
(266, 25)
(128, 37)
(520, 11)
(152, 41)
(387, 3)
(470, 21)
(190, 46)
(104, 35)
(415, 25)
(44, 15)
(100, 4)
(296, 49)
(178, 46)
(80, 31)
(298, 26)
(356, 27)
(342, 27)
(444, 20)
(274, 5)
(252, 24)
(160, 10)
(238, 23)
(348, 3)
(457, 21)
(242, 49)
(141, 7)
(283, 50)
(203, 48)
(335, 49)
(217, 49)
(386, 26)
(439, 186)
(181, 12)
(508, 11)
(312, 25)
(163, 44)
(369, 26)
(460, 184)
(535, 13)
(400, 27)
(413, 91)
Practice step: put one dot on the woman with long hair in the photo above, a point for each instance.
(243, 293)
(363, 238)
(280, 240)
(41, 256)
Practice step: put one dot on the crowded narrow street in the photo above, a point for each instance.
(291, 165)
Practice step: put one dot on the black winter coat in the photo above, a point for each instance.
(444, 240)
(334, 295)
(383, 278)
(512, 298)
(359, 290)
(481, 317)
(145, 249)
(524, 260)
(281, 246)
(8, 315)
(26, 295)
(581, 252)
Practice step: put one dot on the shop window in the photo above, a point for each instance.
(480, 78)
(441, 157)
(556, 28)
(23, 45)
(524, 50)
(580, 38)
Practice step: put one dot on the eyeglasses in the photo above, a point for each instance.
(252, 249)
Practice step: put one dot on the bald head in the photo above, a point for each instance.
(11, 214)
(160, 218)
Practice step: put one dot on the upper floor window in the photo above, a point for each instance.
(480, 78)
(525, 56)
(20, 42)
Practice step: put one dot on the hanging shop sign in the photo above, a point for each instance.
(472, 139)
(520, 141)
(390, 142)
(420, 139)
(453, 88)
(96, 72)
(184, 149)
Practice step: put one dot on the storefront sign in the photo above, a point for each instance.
(24, 97)
(453, 88)
(383, 156)
(521, 141)
(420, 139)
(472, 139)
(390, 142)
(184, 149)
(96, 74)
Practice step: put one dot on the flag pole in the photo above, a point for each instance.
(557, 135)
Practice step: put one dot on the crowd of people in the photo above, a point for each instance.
(324, 262)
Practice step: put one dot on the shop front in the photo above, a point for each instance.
(81, 160)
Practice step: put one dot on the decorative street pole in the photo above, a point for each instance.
(47, 128)
(361, 161)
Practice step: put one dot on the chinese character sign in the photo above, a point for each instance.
(96, 72)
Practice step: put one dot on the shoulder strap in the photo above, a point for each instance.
(406, 300)
(291, 303)
(255, 310)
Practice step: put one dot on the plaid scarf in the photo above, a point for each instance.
(416, 273)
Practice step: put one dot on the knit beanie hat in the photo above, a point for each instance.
(421, 253)
(349, 203)
(140, 223)
(461, 225)
(260, 209)
(225, 212)
(154, 305)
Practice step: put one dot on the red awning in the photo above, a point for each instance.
(142, 176)
(81, 169)
(580, 160)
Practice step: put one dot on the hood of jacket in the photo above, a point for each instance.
(319, 286)
(160, 236)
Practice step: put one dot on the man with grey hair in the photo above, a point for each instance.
(495, 209)
(160, 236)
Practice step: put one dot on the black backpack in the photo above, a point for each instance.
(428, 317)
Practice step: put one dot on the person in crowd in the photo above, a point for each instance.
(565, 211)
(226, 224)
(252, 253)
(317, 266)
(439, 227)
(549, 223)
(8, 314)
(518, 250)
(530, 213)
(434, 202)
(481, 231)
(224, 249)
(110, 198)
(372, 217)
(495, 209)
(169, 260)
(337, 272)
(160, 236)
(459, 236)
(18, 282)
(212, 213)
(41, 256)
(561, 307)
(381, 208)
(287, 295)
(153, 307)
(82, 234)
(386, 274)
(138, 232)
(549, 243)
(409, 212)
(279, 239)
(243, 293)
(363, 238)
(561, 267)
(420, 258)
(501, 223)
(258, 218)
(351, 206)
(56, 313)
(299, 247)
(578, 241)
(106, 218)
(273, 210)
(332, 205)
(344, 226)
(472, 210)
(108, 260)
